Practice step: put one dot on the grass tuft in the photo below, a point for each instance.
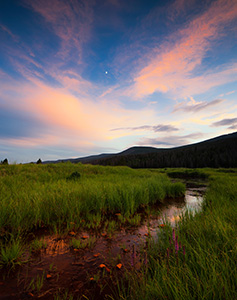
(11, 254)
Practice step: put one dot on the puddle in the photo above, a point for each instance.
(81, 271)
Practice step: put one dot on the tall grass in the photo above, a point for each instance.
(35, 195)
(11, 254)
(198, 259)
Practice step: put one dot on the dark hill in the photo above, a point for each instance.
(216, 152)
(139, 150)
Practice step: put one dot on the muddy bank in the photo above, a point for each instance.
(92, 267)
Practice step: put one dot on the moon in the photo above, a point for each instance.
(106, 72)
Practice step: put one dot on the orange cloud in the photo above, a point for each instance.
(83, 119)
(172, 69)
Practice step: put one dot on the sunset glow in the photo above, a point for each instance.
(81, 77)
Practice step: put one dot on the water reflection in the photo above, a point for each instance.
(169, 211)
(192, 202)
(70, 268)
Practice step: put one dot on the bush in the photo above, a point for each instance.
(74, 176)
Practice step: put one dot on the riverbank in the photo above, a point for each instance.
(198, 259)
(104, 255)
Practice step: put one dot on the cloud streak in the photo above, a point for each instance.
(171, 141)
(172, 67)
(232, 123)
(196, 107)
(55, 92)
(155, 128)
(70, 20)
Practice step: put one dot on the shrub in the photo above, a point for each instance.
(74, 176)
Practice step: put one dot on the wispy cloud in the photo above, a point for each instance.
(179, 8)
(70, 20)
(172, 140)
(9, 32)
(56, 111)
(196, 107)
(54, 91)
(155, 128)
(172, 66)
(232, 123)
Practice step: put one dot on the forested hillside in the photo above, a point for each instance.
(217, 152)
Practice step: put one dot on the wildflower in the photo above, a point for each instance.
(176, 245)
(173, 235)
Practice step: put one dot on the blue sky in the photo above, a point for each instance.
(88, 77)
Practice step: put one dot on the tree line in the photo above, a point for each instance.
(214, 154)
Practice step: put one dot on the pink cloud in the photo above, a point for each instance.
(196, 107)
(73, 82)
(42, 140)
(172, 67)
(71, 21)
(179, 7)
(9, 32)
(77, 120)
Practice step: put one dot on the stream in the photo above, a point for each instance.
(82, 271)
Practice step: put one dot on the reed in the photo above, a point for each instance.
(196, 260)
(42, 195)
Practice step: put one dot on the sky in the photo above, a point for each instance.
(84, 77)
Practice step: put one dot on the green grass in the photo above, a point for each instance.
(82, 244)
(38, 244)
(41, 195)
(206, 267)
(66, 197)
(11, 254)
(36, 285)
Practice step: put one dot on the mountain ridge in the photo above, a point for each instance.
(220, 151)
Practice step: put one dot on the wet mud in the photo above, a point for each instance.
(60, 270)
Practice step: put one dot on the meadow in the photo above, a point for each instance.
(57, 196)
(197, 258)
(194, 260)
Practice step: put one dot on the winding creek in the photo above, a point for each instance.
(62, 267)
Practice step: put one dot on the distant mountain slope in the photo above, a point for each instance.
(139, 150)
(216, 152)
(86, 159)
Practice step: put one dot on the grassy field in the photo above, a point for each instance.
(57, 196)
(197, 259)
